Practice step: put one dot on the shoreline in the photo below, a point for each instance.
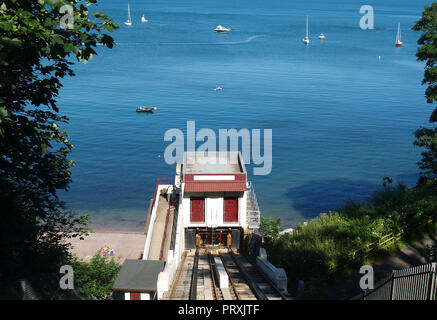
(115, 227)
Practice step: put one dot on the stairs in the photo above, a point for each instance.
(253, 212)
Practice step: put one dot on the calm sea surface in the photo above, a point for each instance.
(341, 117)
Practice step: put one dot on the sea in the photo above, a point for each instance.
(342, 110)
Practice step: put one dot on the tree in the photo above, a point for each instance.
(270, 227)
(427, 51)
(97, 276)
(36, 52)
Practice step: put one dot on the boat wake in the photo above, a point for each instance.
(248, 40)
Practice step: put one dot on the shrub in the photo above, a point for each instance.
(97, 276)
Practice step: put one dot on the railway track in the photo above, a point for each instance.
(261, 287)
(195, 279)
(204, 284)
(238, 282)
(181, 285)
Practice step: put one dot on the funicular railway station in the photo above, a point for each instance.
(196, 228)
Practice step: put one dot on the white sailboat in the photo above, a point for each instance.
(128, 22)
(306, 40)
(399, 36)
(143, 19)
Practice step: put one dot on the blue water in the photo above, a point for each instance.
(341, 118)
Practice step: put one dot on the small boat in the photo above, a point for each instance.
(220, 28)
(218, 88)
(306, 40)
(399, 36)
(143, 19)
(128, 22)
(146, 109)
(322, 36)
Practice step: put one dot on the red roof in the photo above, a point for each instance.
(219, 186)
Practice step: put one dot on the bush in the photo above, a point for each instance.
(326, 248)
(97, 276)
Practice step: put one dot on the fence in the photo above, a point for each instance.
(418, 283)
(384, 242)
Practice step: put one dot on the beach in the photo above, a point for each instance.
(126, 245)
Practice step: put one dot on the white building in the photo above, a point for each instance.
(214, 194)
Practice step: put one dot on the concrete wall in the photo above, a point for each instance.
(276, 275)
(174, 257)
(221, 274)
(152, 221)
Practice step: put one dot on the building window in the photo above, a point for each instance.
(230, 210)
(197, 209)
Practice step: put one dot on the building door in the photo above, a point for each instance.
(230, 210)
(197, 209)
(135, 296)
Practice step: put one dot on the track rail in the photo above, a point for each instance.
(239, 283)
(193, 288)
(262, 287)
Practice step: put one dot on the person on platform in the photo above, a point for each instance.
(169, 193)
(229, 241)
(198, 240)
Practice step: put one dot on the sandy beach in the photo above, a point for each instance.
(126, 245)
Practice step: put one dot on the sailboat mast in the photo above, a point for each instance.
(307, 26)
(400, 33)
(128, 12)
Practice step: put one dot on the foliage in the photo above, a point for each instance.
(97, 276)
(35, 54)
(427, 137)
(269, 227)
(325, 248)
(431, 253)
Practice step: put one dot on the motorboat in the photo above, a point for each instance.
(220, 28)
(218, 88)
(322, 36)
(146, 109)
(143, 19)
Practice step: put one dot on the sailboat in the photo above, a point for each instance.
(143, 19)
(128, 22)
(306, 40)
(399, 36)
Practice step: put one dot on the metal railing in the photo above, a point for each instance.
(418, 283)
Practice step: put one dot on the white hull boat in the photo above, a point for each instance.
(220, 28)
(128, 22)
